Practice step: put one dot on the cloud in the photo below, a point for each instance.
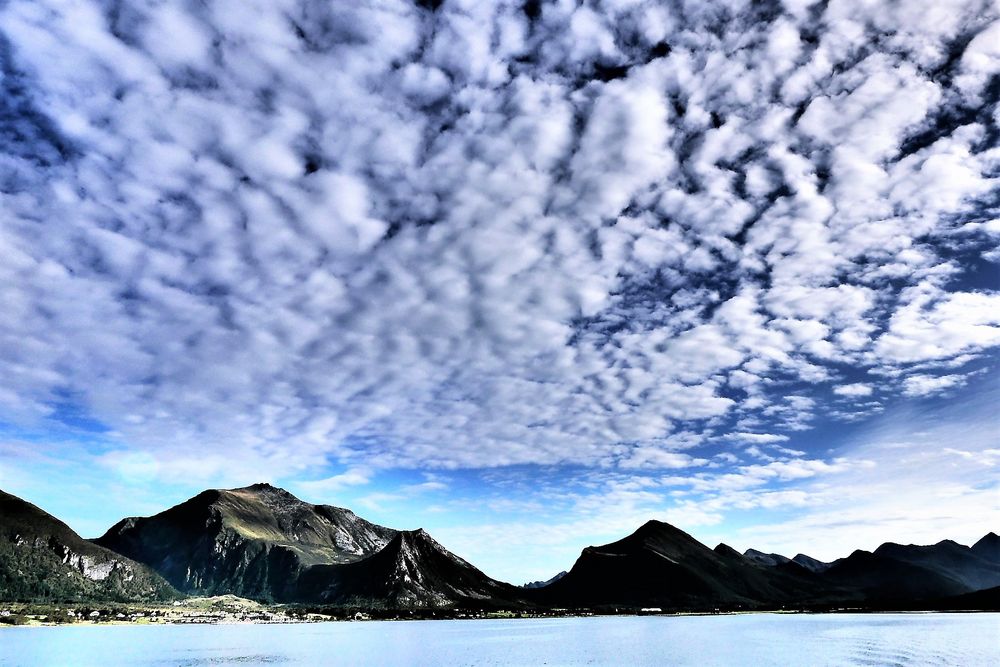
(933, 324)
(986, 457)
(759, 438)
(926, 385)
(757, 475)
(650, 457)
(332, 485)
(930, 479)
(307, 236)
(855, 389)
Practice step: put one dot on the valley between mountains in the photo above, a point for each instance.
(264, 544)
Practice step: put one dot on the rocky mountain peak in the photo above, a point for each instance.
(251, 541)
(266, 492)
(264, 487)
(417, 535)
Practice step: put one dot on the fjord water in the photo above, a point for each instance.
(749, 639)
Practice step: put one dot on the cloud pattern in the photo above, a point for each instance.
(469, 234)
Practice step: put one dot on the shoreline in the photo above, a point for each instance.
(41, 620)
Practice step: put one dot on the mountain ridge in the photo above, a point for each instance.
(663, 566)
(263, 543)
(250, 541)
(412, 570)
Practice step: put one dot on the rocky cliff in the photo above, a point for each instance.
(43, 559)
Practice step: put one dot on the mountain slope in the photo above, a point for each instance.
(413, 570)
(43, 559)
(988, 547)
(659, 565)
(767, 560)
(662, 566)
(956, 561)
(810, 563)
(252, 541)
(875, 577)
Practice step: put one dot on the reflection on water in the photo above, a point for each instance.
(749, 639)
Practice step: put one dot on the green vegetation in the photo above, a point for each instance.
(35, 571)
(43, 560)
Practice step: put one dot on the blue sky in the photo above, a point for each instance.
(525, 279)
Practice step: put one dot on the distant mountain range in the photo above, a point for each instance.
(543, 584)
(263, 543)
(662, 566)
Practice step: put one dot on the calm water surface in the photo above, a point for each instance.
(967, 640)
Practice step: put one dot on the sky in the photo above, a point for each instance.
(525, 274)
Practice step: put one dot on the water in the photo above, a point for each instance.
(753, 639)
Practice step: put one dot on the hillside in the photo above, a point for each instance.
(660, 565)
(43, 559)
(413, 570)
(252, 541)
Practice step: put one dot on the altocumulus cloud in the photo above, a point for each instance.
(470, 233)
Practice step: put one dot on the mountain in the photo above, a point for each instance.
(988, 548)
(413, 570)
(263, 543)
(543, 584)
(810, 563)
(957, 561)
(724, 550)
(874, 577)
(767, 560)
(897, 572)
(660, 565)
(252, 541)
(43, 559)
(777, 560)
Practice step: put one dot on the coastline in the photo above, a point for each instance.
(230, 610)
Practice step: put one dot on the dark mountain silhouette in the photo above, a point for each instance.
(723, 549)
(810, 563)
(984, 600)
(253, 541)
(897, 572)
(777, 560)
(543, 584)
(413, 570)
(949, 558)
(880, 578)
(768, 560)
(43, 559)
(660, 565)
(988, 547)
